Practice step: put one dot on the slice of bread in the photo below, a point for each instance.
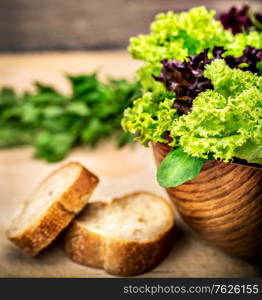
(53, 205)
(128, 236)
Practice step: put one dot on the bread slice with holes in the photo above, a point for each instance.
(128, 236)
(58, 199)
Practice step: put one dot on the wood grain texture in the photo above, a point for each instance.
(223, 203)
(31, 25)
(120, 171)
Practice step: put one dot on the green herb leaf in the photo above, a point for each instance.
(177, 168)
(53, 146)
(54, 123)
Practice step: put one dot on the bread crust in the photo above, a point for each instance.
(84, 246)
(59, 214)
(117, 257)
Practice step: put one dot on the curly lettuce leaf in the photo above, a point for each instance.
(145, 76)
(230, 82)
(177, 35)
(225, 121)
(150, 117)
(241, 40)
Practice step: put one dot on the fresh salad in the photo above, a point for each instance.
(202, 90)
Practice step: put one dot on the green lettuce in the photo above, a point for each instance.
(150, 116)
(241, 40)
(177, 35)
(225, 122)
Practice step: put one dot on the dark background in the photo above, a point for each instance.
(33, 25)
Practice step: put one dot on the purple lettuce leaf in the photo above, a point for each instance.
(240, 19)
(187, 79)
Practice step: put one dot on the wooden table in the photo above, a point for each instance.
(121, 171)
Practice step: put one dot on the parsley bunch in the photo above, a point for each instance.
(54, 123)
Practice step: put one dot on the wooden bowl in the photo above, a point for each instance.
(223, 203)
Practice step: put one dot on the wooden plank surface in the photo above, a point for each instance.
(27, 25)
(120, 171)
